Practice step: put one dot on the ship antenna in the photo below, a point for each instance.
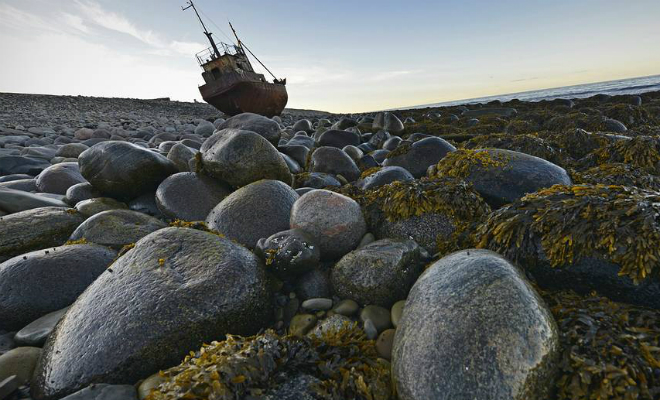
(206, 32)
(242, 46)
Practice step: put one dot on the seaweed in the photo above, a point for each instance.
(344, 363)
(369, 172)
(617, 174)
(459, 163)
(529, 144)
(618, 223)
(641, 152)
(609, 350)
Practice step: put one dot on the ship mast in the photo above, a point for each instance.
(206, 32)
(244, 47)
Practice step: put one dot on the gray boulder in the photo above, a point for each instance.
(339, 139)
(123, 170)
(59, 178)
(265, 127)
(474, 328)
(332, 160)
(333, 220)
(22, 165)
(242, 157)
(71, 150)
(380, 273)
(393, 124)
(38, 228)
(255, 211)
(185, 287)
(204, 129)
(288, 253)
(13, 201)
(384, 176)
(79, 192)
(37, 283)
(97, 205)
(189, 196)
(116, 228)
(420, 155)
(36, 332)
(181, 155)
(104, 391)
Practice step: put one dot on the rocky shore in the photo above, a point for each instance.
(152, 249)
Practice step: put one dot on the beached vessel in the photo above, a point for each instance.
(231, 84)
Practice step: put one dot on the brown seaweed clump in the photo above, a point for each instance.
(617, 174)
(640, 152)
(576, 143)
(342, 363)
(617, 223)
(609, 350)
(528, 144)
(459, 163)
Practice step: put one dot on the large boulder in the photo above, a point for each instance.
(332, 160)
(255, 211)
(22, 165)
(38, 228)
(265, 127)
(178, 288)
(380, 273)
(474, 328)
(124, 170)
(339, 139)
(37, 283)
(116, 228)
(80, 192)
(384, 176)
(502, 176)
(417, 157)
(333, 220)
(189, 196)
(13, 201)
(241, 157)
(59, 177)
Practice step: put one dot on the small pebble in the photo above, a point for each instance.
(347, 308)
(378, 315)
(397, 312)
(317, 304)
(370, 329)
(384, 344)
(301, 324)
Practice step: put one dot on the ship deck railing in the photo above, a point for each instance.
(208, 54)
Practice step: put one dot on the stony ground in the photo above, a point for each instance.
(160, 250)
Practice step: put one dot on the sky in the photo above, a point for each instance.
(339, 56)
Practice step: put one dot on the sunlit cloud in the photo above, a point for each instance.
(74, 21)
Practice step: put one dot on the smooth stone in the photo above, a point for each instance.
(38, 228)
(36, 332)
(116, 228)
(353, 152)
(204, 128)
(379, 273)
(474, 328)
(384, 176)
(14, 177)
(22, 165)
(333, 323)
(391, 143)
(255, 211)
(317, 304)
(297, 153)
(314, 284)
(384, 344)
(8, 386)
(316, 180)
(332, 160)
(13, 201)
(146, 204)
(334, 221)
(267, 128)
(98, 205)
(346, 308)
(181, 155)
(370, 329)
(339, 139)
(7, 342)
(184, 286)
(71, 150)
(102, 391)
(397, 312)
(24, 185)
(304, 141)
(289, 253)
(241, 157)
(303, 125)
(421, 155)
(393, 124)
(79, 192)
(45, 153)
(123, 170)
(612, 125)
(147, 385)
(20, 362)
(292, 164)
(190, 197)
(378, 315)
(40, 282)
(366, 239)
(301, 324)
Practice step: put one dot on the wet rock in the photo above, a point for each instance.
(255, 211)
(123, 170)
(317, 304)
(397, 312)
(353, 152)
(71, 150)
(316, 180)
(190, 197)
(242, 157)
(416, 158)
(40, 282)
(292, 164)
(303, 125)
(219, 283)
(314, 284)
(24, 185)
(36, 332)
(474, 327)
(181, 155)
(36, 229)
(289, 253)
(334, 221)
(59, 178)
(338, 139)
(97, 205)
(19, 362)
(391, 143)
(301, 324)
(296, 152)
(393, 124)
(146, 204)
(346, 308)
(379, 316)
(116, 228)
(14, 177)
(103, 391)
(384, 344)
(265, 127)
(384, 176)
(13, 201)
(8, 386)
(612, 125)
(204, 128)
(332, 160)
(79, 192)
(379, 273)
(22, 165)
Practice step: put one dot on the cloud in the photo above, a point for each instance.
(74, 21)
(12, 18)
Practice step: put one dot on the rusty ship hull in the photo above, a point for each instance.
(236, 96)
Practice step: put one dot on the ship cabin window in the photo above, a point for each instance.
(216, 73)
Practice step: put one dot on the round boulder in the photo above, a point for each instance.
(176, 289)
(255, 211)
(37, 283)
(116, 228)
(289, 253)
(124, 170)
(79, 192)
(189, 196)
(474, 328)
(332, 160)
(339, 139)
(59, 177)
(242, 157)
(380, 273)
(266, 127)
(333, 220)
(384, 176)
(416, 158)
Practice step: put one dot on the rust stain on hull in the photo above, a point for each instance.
(262, 98)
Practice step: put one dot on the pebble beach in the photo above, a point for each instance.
(160, 250)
